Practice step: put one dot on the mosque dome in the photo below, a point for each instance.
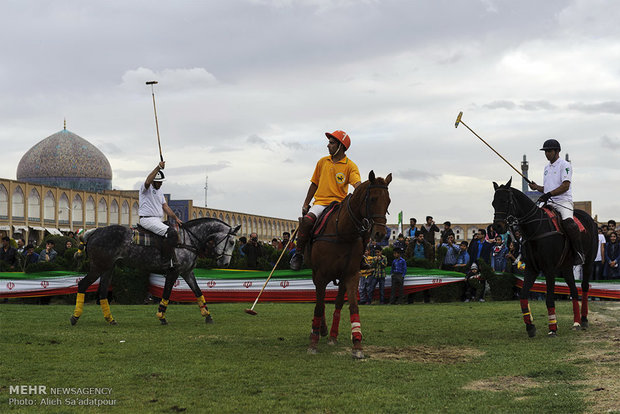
(67, 160)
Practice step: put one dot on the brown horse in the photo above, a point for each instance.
(335, 256)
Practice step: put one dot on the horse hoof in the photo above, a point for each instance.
(332, 341)
(577, 326)
(552, 334)
(74, 319)
(531, 331)
(208, 319)
(584, 323)
(357, 354)
(113, 322)
(163, 321)
(312, 351)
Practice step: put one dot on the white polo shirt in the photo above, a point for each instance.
(151, 202)
(555, 174)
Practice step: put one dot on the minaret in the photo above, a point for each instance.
(206, 188)
(524, 167)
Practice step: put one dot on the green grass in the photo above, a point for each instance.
(259, 364)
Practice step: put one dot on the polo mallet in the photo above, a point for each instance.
(459, 121)
(161, 157)
(251, 311)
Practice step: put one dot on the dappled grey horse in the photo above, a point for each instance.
(106, 245)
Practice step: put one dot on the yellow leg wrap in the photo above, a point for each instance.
(161, 312)
(105, 307)
(202, 305)
(79, 305)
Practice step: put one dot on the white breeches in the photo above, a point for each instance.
(316, 210)
(154, 224)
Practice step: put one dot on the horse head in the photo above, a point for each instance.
(214, 238)
(374, 206)
(503, 203)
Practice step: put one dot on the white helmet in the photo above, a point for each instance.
(159, 176)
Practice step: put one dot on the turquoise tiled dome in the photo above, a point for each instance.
(65, 159)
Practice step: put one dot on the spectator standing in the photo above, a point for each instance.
(446, 232)
(242, 242)
(30, 256)
(399, 243)
(429, 229)
(8, 254)
(286, 241)
(612, 257)
(420, 248)
(399, 270)
(21, 246)
(498, 255)
(365, 276)
(512, 256)
(411, 231)
(379, 263)
(597, 273)
(49, 254)
(452, 253)
(462, 260)
(253, 251)
(480, 248)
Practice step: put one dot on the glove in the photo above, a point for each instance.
(544, 198)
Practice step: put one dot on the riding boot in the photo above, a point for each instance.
(572, 232)
(168, 248)
(303, 235)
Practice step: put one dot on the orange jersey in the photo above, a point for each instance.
(333, 179)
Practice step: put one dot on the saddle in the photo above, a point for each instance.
(144, 237)
(555, 218)
(321, 222)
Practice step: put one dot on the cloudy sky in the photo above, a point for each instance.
(248, 88)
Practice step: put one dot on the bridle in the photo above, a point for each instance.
(202, 248)
(367, 221)
(513, 221)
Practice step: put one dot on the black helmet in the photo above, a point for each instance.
(551, 144)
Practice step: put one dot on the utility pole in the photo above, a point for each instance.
(206, 189)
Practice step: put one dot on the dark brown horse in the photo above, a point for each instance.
(546, 250)
(336, 256)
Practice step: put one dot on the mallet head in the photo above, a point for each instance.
(152, 83)
(458, 119)
(251, 312)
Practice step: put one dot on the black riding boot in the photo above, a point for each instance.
(303, 235)
(168, 247)
(572, 232)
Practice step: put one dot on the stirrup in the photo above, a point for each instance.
(296, 261)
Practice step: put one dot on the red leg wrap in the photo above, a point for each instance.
(335, 323)
(356, 328)
(576, 316)
(316, 325)
(553, 322)
(584, 305)
(525, 310)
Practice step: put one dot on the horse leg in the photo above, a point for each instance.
(356, 326)
(319, 316)
(570, 281)
(585, 287)
(103, 297)
(333, 333)
(202, 303)
(528, 282)
(165, 298)
(83, 285)
(553, 321)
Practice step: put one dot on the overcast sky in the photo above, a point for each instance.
(247, 90)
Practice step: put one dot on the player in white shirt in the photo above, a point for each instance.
(153, 205)
(557, 187)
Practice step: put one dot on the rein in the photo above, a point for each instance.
(201, 249)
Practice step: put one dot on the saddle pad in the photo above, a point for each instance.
(142, 237)
(554, 216)
(321, 222)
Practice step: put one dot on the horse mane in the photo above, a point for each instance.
(202, 220)
(520, 195)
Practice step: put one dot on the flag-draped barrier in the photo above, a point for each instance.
(52, 283)
(607, 290)
(242, 286)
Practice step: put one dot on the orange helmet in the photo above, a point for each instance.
(341, 136)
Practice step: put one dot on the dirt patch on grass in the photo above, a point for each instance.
(501, 384)
(600, 358)
(422, 353)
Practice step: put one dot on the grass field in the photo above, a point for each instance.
(449, 357)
